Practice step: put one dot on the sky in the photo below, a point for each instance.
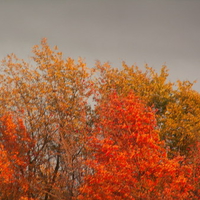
(139, 32)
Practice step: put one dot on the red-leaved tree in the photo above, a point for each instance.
(15, 145)
(128, 160)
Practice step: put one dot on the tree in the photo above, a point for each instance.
(128, 160)
(51, 97)
(177, 103)
(181, 122)
(15, 144)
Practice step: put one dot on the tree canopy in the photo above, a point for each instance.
(69, 131)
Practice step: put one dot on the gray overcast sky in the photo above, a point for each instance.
(136, 31)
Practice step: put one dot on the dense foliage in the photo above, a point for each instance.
(72, 132)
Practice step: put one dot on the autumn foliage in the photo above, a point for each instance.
(68, 131)
(128, 159)
(15, 145)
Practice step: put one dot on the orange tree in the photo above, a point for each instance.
(128, 160)
(15, 145)
(51, 97)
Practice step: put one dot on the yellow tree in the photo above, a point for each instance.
(181, 122)
(51, 97)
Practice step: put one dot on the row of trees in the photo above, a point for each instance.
(72, 132)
